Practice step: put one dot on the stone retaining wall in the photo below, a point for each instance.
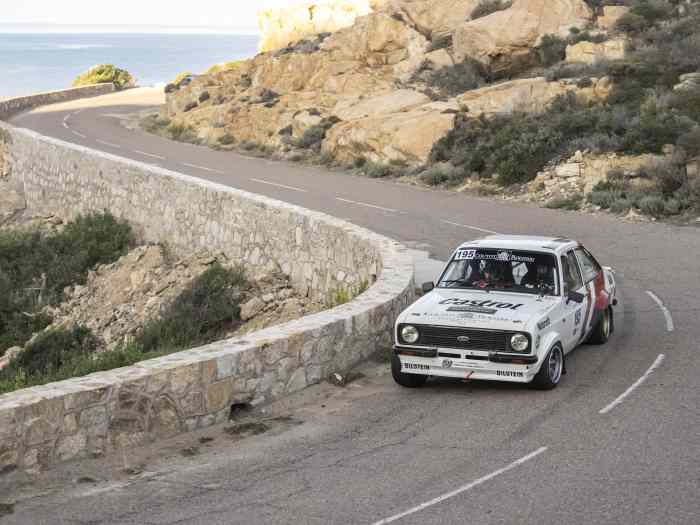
(111, 411)
(12, 106)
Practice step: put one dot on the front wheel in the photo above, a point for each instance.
(603, 329)
(405, 380)
(551, 370)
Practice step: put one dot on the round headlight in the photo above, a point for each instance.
(409, 334)
(519, 343)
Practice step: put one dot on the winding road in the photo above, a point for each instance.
(617, 442)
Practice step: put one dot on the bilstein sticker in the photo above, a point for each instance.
(415, 366)
(508, 373)
(481, 304)
(544, 324)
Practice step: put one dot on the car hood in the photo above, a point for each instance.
(481, 309)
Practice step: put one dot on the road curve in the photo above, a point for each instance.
(617, 442)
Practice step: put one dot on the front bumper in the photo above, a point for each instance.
(445, 363)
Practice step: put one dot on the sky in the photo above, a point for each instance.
(167, 15)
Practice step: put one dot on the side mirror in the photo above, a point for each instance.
(576, 297)
(428, 287)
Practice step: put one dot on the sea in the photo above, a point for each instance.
(39, 62)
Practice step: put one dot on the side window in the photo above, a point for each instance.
(569, 268)
(589, 266)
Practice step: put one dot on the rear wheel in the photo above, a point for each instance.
(551, 370)
(601, 332)
(405, 380)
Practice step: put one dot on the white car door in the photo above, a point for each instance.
(575, 314)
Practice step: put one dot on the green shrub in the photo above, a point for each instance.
(75, 365)
(226, 66)
(552, 49)
(36, 267)
(565, 203)
(226, 139)
(155, 123)
(180, 77)
(622, 205)
(206, 309)
(104, 74)
(375, 170)
(487, 7)
(653, 205)
(313, 136)
(435, 175)
(605, 198)
(450, 81)
(51, 349)
(669, 178)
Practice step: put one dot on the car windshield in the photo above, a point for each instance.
(502, 270)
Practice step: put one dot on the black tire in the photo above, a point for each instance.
(551, 370)
(603, 329)
(405, 380)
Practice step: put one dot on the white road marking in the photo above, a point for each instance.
(260, 181)
(65, 124)
(636, 384)
(367, 205)
(666, 312)
(197, 167)
(462, 489)
(149, 154)
(476, 228)
(77, 133)
(104, 143)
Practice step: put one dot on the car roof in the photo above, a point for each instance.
(522, 242)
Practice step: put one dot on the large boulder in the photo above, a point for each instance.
(528, 95)
(505, 41)
(590, 52)
(406, 136)
(280, 27)
(434, 19)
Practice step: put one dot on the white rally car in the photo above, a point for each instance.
(506, 308)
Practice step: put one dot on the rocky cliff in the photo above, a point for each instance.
(387, 85)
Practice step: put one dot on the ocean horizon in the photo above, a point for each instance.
(41, 61)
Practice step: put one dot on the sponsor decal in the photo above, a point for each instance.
(544, 323)
(447, 363)
(464, 339)
(415, 366)
(473, 309)
(481, 304)
(502, 256)
(577, 317)
(509, 373)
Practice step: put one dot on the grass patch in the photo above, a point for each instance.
(35, 268)
(344, 295)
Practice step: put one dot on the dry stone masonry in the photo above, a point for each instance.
(112, 411)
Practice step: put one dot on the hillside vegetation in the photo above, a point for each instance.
(104, 74)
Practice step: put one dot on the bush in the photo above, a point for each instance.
(487, 7)
(182, 77)
(653, 205)
(226, 66)
(77, 365)
(436, 175)
(551, 50)
(669, 178)
(605, 198)
(51, 349)
(565, 203)
(227, 139)
(35, 268)
(450, 81)
(208, 308)
(314, 136)
(374, 170)
(104, 74)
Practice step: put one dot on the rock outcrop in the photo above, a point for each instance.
(369, 90)
(505, 41)
(611, 15)
(281, 27)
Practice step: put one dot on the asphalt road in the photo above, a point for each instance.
(617, 442)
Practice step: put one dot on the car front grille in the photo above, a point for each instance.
(447, 337)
